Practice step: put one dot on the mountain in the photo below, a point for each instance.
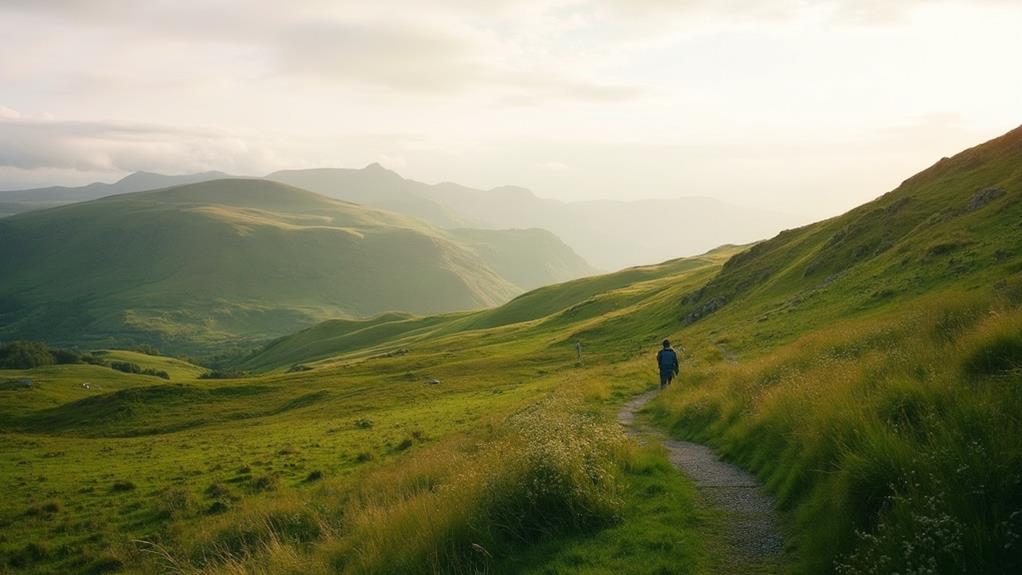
(528, 258)
(18, 201)
(609, 234)
(374, 186)
(867, 368)
(245, 259)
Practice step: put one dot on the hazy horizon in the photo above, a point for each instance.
(802, 107)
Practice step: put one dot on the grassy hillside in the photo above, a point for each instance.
(243, 260)
(145, 267)
(608, 234)
(563, 304)
(18, 201)
(874, 389)
(866, 367)
(177, 369)
(512, 254)
(373, 186)
(192, 466)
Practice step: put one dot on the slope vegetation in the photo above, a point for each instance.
(17, 201)
(609, 234)
(227, 259)
(875, 390)
(867, 367)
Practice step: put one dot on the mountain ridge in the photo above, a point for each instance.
(139, 268)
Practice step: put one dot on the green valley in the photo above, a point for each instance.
(866, 368)
(141, 268)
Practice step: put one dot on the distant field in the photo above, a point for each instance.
(177, 369)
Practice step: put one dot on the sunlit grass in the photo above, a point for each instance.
(905, 426)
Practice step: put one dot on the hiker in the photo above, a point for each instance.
(667, 360)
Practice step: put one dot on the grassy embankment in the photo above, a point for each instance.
(343, 466)
(877, 386)
(866, 367)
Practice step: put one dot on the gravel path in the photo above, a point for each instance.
(753, 535)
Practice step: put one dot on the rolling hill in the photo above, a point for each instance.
(609, 234)
(242, 260)
(18, 201)
(865, 367)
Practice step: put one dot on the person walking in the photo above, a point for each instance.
(667, 361)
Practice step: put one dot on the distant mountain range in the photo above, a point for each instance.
(228, 260)
(609, 234)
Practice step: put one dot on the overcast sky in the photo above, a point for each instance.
(806, 106)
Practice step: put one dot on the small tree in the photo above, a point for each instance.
(25, 355)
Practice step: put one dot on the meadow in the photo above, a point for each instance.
(866, 368)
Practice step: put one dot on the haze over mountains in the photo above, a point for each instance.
(608, 234)
(247, 259)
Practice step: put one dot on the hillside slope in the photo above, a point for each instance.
(18, 201)
(513, 255)
(867, 368)
(221, 260)
(608, 234)
(373, 186)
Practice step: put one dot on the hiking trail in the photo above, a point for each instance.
(753, 542)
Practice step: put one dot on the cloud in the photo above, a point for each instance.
(508, 49)
(31, 144)
(391, 54)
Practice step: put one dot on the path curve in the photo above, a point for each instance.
(753, 535)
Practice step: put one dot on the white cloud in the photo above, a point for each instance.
(551, 166)
(30, 144)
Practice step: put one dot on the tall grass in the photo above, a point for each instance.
(895, 443)
(460, 506)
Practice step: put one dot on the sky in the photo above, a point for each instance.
(804, 106)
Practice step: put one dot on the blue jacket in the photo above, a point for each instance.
(667, 359)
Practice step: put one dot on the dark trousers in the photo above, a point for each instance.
(666, 377)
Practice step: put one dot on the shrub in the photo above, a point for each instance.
(223, 374)
(218, 491)
(121, 486)
(25, 355)
(550, 469)
(251, 529)
(65, 356)
(126, 366)
(177, 499)
(997, 351)
(265, 483)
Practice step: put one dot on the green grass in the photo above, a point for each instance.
(233, 263)
(866, 368)
(178, 369)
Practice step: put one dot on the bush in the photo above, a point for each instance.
(25, 355)
(65, 356)
(998, 351)
(223, 374)
(121, 486)
(126, 366)
(550, 469)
